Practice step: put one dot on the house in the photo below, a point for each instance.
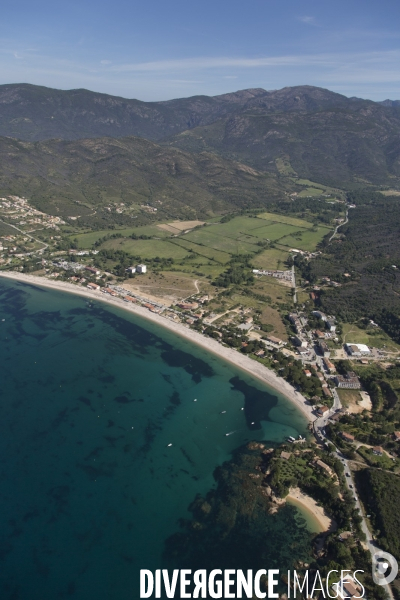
(330, 323)
(130, 270)
(319, 334)
(286, 455)
(347, 437)
(323, 349)
(357, 350)
(274, 341)
(326, 391)
(330, 367)
(141, 269)
(307, 373)
(188, 305)
(349, 381)
(92, 270)
(319, 315)
(301, 343)
(259, 353)
(396, 436)
(377, 450)
(129, 299)
(345, 535)
(322, 410)
(93, 286)
(324, 467)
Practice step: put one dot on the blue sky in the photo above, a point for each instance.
(157, 50)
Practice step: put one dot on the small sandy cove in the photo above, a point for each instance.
(233, 356)
(297, 498)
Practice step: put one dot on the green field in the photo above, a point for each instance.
(310, 191)
(217, 237)
(307, 240)
(275, 231)
(283, 219)
(203, 251)
(86, 240)
(147, 248)
(272, 258)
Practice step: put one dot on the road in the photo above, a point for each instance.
(340, 225)
(294, 286)
(319, 430)
(27, 235)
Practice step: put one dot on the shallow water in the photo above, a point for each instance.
(90, 398)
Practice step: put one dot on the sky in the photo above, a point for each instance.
(158, 50)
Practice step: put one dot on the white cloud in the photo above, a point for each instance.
(308, 20)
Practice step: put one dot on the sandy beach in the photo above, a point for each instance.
(241, 361)
(308, 505)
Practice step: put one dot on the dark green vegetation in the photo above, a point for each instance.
(380, 492)
(82, 178)
(305, 131)
(368, 249)
(231, 524)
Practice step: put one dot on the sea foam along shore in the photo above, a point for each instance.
(241, 361)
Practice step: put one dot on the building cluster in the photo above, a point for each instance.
(283, 275)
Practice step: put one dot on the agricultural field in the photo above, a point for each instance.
(176, 227)
(306, 240)
(271, 258)
(86, 240)
(203, 251)
(275, 231)
(146, 248)
(217, 240)
(310, 191)
(275, 218)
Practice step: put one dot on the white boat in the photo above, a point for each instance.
(195, 400)
(230, 433)
(291, 438)
(169, 445)
(222, 412)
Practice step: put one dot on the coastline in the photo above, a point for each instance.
(232, 356)
(316, 514)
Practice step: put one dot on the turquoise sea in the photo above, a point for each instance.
(90, 399)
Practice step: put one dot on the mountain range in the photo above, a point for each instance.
(318, 134)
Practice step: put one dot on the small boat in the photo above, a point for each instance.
(222, 412)
(242, 409)
(253, 423)
(230, 433)
(291, 439)
(195, 400)
(168, 445)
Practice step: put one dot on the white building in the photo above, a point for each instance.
(131, 270)
(357, 349)
(141, 269)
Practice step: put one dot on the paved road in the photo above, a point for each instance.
(340, 225)
(319, 428)
(294, 286)
(27, 235)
